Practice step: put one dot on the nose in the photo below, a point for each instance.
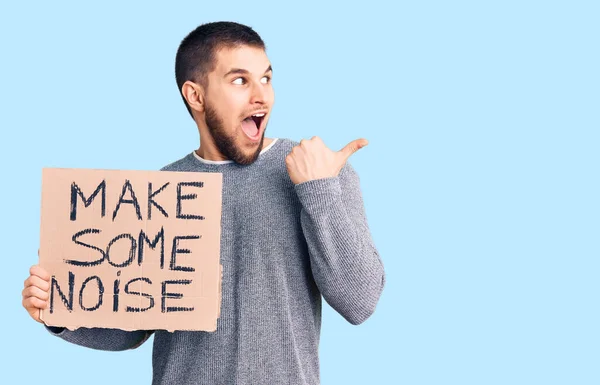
(258, 93)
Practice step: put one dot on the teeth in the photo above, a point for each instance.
(259, 115)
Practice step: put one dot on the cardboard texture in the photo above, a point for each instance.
(132, 250)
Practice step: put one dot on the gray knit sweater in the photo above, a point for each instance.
(283, 246)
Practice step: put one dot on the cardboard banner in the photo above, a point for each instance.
(132, 250)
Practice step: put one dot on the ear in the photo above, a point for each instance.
(194, 95)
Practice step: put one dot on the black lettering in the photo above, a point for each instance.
(74, 239)
(75, 191)
(116, 293)
(153, 202)
(100, 293)
(144, 239)
(187, 197)
(165, 295)
(68, 302)
(176, 250)
(133, 201)
(132, 250)
(131, 309)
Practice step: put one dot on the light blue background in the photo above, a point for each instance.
(480, 179)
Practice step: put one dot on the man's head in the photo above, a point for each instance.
(224, 76)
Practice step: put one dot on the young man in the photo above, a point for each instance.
(293, 230)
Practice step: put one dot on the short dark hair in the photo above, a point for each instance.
(196, 54)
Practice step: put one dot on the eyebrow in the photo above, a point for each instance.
(242, 71)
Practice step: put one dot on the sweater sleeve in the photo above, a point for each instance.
(344, 261)
(102, 339)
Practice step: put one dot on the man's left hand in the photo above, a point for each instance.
(311, 159)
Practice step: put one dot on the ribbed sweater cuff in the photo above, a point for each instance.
(318, 193)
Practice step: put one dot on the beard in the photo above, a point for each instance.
(226, 143)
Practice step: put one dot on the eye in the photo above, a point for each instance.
(239, 81)
(265, 79)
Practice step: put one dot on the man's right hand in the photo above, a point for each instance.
(35, 293)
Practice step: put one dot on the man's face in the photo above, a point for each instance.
(238, 102)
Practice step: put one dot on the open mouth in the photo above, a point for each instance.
(252, 125)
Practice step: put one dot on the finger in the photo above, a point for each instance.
(35, 314)
(352, 147)
(34, 303)
(40, 272)
(34, 280)
(36, 292)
